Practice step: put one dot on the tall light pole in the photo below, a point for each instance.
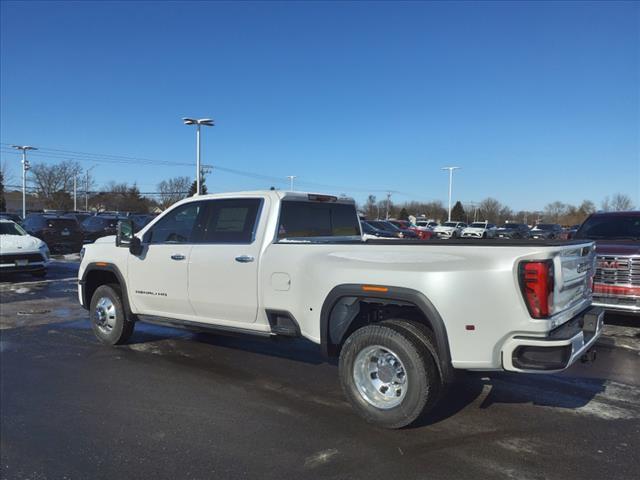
(207, 122)
(86, 189)
(388, 202)
(25, 167)
(291, 179)
(451, 169)
(75, 192)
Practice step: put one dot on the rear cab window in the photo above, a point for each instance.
(316, 221)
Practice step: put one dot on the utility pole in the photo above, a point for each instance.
(291, 179)
(207, 122)
(388, 202)
(86, 190)
(451, 169)
(25, 167)
(75, 192)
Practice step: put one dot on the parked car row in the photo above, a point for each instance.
(66, 232)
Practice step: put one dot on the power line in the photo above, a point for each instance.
(79, 156)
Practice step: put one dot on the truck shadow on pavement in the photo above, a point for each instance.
(471, 389)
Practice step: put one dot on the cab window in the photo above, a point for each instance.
(307, 219)
(176, 226)
(229, 221)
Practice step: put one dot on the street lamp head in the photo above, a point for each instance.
(23, 147)
(207, 122)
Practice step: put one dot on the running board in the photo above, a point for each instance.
(199, 326)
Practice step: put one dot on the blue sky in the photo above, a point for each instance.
(536, 101)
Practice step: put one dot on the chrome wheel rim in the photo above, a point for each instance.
(105, 313)
(380, 377)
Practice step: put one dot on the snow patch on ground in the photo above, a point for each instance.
(320, 458)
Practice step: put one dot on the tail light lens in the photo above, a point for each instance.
(536, 283)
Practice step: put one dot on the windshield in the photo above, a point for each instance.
(10, 228)
(449, 224)
(511, 225)
(478, 225)
(389, 227)
(613, 227)
(544, 226)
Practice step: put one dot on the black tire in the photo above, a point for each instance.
(423, 382)
(121, 327)
(40, 273)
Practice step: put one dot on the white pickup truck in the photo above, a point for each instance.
(401, 315)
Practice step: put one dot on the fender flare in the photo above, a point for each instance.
(106, 267)
(389, 293)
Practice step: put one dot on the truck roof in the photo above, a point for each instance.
(282, 194)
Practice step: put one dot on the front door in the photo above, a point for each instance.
(158, 278)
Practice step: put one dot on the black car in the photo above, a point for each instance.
(14, 217)
(61, 234)
(391, 228)
(79, 216)
(99, 226)
(547, 231)
(513, 230)
(369, 229)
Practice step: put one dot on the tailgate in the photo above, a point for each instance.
(574, 267)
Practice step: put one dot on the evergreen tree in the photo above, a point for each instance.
(404, 214)
(457, 212)
(203, 186)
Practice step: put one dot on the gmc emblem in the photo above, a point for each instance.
(610, 264)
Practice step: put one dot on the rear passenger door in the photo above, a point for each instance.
(224, 262)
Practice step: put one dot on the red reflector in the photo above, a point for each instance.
(536, 283)
(622, 290)
(470, 327)
(321, 198)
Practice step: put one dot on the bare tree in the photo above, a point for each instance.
(7, 172)
(621, 202)
(173, 190)
(554, 210)
(370, 207)
(489, 210)
(54, 182)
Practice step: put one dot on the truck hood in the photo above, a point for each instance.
(620, 247)
(19, 244)
(474, 229)
(107, 239)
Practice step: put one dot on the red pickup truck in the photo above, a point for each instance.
(617, 279)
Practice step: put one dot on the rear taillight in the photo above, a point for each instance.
(536, 283)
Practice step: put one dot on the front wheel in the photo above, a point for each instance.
(388, 375)
(108, 318)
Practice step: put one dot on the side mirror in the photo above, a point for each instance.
(124, 233)
(135, 247)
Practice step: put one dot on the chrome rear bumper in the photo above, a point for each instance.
(559, 349)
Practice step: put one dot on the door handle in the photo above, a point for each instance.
(177, 257)
(245, 259)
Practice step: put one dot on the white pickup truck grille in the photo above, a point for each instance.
(617, 270)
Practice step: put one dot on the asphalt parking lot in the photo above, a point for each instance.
(175, 404)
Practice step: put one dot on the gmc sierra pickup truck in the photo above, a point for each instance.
(402, 316)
